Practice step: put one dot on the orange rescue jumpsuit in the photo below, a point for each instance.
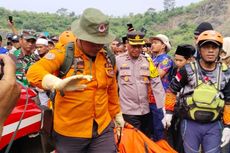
(75, 111)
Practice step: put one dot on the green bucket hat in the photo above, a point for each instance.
(93, 26)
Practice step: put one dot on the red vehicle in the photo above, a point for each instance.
(29, 115)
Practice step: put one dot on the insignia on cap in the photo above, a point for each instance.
(102, 27)
(137, 37)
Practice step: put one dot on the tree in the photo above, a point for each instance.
(169, 5)
(72, 14)
(151, 12)
(62, 11)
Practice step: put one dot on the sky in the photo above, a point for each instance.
(109, 7)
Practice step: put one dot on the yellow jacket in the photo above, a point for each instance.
(75, 111)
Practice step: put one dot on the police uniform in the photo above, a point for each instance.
(133, 80)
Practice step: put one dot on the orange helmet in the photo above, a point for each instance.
(66, 37)
(210, 36)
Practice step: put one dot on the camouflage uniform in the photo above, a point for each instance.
(22, 65)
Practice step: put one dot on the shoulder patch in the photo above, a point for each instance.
(165, 61)
(50, 56)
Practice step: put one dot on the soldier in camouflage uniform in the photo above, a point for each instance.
(25, 55)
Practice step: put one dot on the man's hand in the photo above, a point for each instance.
(163, 121)
(168, 119)
(51, 82)
(10, 24)
(12, 27)
(9, 68)
(119, 123)
(10, 90)
(119, 120)
(225, 137)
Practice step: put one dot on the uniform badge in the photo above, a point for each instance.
(145, 79)
(50, 56)
(126, 78)
(79, 63)
(124, 65)
(102, 28)
(109, 70)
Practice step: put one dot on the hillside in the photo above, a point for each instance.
(178, 24)
(181, 26)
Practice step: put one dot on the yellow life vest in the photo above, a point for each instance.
(206, 103)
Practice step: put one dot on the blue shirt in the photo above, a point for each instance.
(165, 63)
(3, 50)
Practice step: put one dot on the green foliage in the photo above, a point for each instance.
(181, 35)
(53, 23)
(150, 20)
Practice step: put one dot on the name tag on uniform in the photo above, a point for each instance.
(124, 68)
(144, 68)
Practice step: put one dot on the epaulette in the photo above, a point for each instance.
(125, 55)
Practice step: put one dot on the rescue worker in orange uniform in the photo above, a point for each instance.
(83, 115)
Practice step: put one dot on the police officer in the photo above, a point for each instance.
(135, 72)
(83, 115)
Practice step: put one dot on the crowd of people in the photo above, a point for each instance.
(184, 98)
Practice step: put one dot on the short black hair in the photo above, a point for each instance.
(0, 38)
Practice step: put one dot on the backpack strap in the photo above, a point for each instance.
(68, 61)
(194, 67)
(66, 65)
(219, 75)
